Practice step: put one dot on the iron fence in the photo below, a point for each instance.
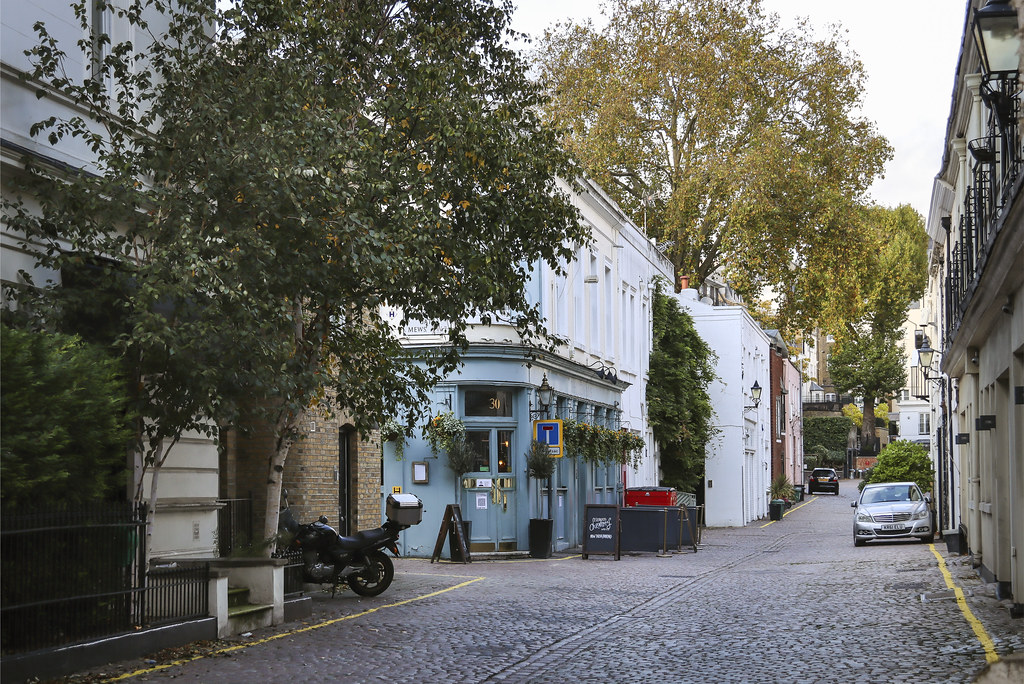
(234, 525)
(75, 574)
(293, 577)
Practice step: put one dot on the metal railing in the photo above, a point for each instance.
(75, 574)
(999, 161)
(293, 577)
(234, 525)
(175, 593)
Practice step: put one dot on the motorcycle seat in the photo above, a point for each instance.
(363, 539)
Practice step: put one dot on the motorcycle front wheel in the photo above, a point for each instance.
(378, 577)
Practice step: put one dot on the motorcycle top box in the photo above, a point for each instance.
(404, 509)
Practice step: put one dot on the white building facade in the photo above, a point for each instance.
(601, 306)
(973, 314)
(185, 523)
(738, 466)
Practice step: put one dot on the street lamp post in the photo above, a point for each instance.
(545, 396)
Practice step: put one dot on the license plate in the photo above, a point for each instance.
(892, 527)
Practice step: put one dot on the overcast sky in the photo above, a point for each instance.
(910, 62)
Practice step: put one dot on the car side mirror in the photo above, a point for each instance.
(853, 504)
(928, 498)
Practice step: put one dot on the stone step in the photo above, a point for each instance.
(238, 596)
(248, 609)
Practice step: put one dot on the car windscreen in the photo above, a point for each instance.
(891, 494)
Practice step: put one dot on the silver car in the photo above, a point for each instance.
(892, 510)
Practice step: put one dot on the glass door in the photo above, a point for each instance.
(489, 500)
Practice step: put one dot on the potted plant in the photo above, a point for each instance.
(540, 466)
(781, 493)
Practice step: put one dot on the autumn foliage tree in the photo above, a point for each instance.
(272, 173)
(733, 140)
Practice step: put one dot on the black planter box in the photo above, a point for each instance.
(540, 537)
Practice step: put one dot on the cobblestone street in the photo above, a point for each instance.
(789, 601)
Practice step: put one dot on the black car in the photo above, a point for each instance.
(823, 480)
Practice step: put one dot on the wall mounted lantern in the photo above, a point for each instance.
(926, 355)
(755, 394)
(544, 397)
(997, 37)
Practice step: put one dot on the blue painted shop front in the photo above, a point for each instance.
(497, 497)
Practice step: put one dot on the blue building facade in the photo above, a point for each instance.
(495, 396)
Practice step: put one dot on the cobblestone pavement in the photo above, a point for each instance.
(789, 601)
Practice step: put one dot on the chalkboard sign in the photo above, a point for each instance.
(601, 530)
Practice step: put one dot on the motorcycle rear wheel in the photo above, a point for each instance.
(385, 570)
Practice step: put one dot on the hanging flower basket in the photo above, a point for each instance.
(393, 431)
(601, 445)
(441, 430)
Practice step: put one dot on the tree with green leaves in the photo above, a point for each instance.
(271, 174)
(64, 408)
(867, 360)
(681, 369)
(735, 141)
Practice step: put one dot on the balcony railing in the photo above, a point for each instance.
(999, 160)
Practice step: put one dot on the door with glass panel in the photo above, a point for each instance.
(489, 490)
(489, 500)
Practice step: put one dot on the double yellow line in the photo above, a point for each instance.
(979, 630)
(789, 511)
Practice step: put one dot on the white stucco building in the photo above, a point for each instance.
(186, 511)
(738, 468)
(974, 308)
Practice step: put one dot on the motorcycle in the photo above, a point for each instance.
(358, 560)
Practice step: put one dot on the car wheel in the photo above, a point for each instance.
(858, 542)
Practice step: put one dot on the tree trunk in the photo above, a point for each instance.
(139, 495)
(867, 429)
(275, 478)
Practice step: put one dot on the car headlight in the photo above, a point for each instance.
(921, 514)
(863, 517)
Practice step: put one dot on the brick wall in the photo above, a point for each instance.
(311, 474)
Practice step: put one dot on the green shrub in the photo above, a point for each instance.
(539, 463)
(65, 427)
(830, 432)
(903, 461)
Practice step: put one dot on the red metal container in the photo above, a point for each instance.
(651, 496)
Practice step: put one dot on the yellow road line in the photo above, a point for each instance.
(790, 511)
(308, 628)
(979, 630)
(536, 560)
(445, 561)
